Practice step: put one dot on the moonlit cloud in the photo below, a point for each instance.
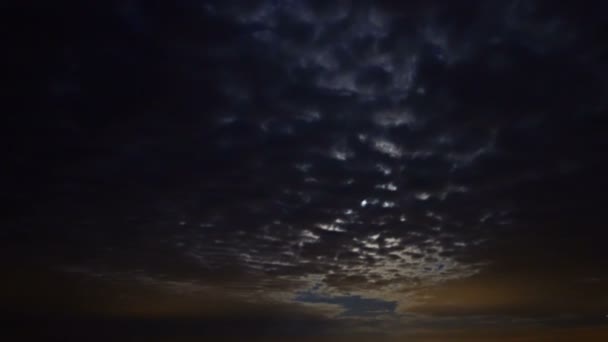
(376, 164)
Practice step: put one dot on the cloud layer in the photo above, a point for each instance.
(343, 154)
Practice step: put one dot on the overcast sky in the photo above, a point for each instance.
(304, 169)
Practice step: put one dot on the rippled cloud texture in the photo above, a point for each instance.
(374, 167)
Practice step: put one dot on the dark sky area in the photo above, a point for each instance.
(305, 170)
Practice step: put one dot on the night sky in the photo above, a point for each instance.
(305, 170)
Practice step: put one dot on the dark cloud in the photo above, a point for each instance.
(370, 149)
